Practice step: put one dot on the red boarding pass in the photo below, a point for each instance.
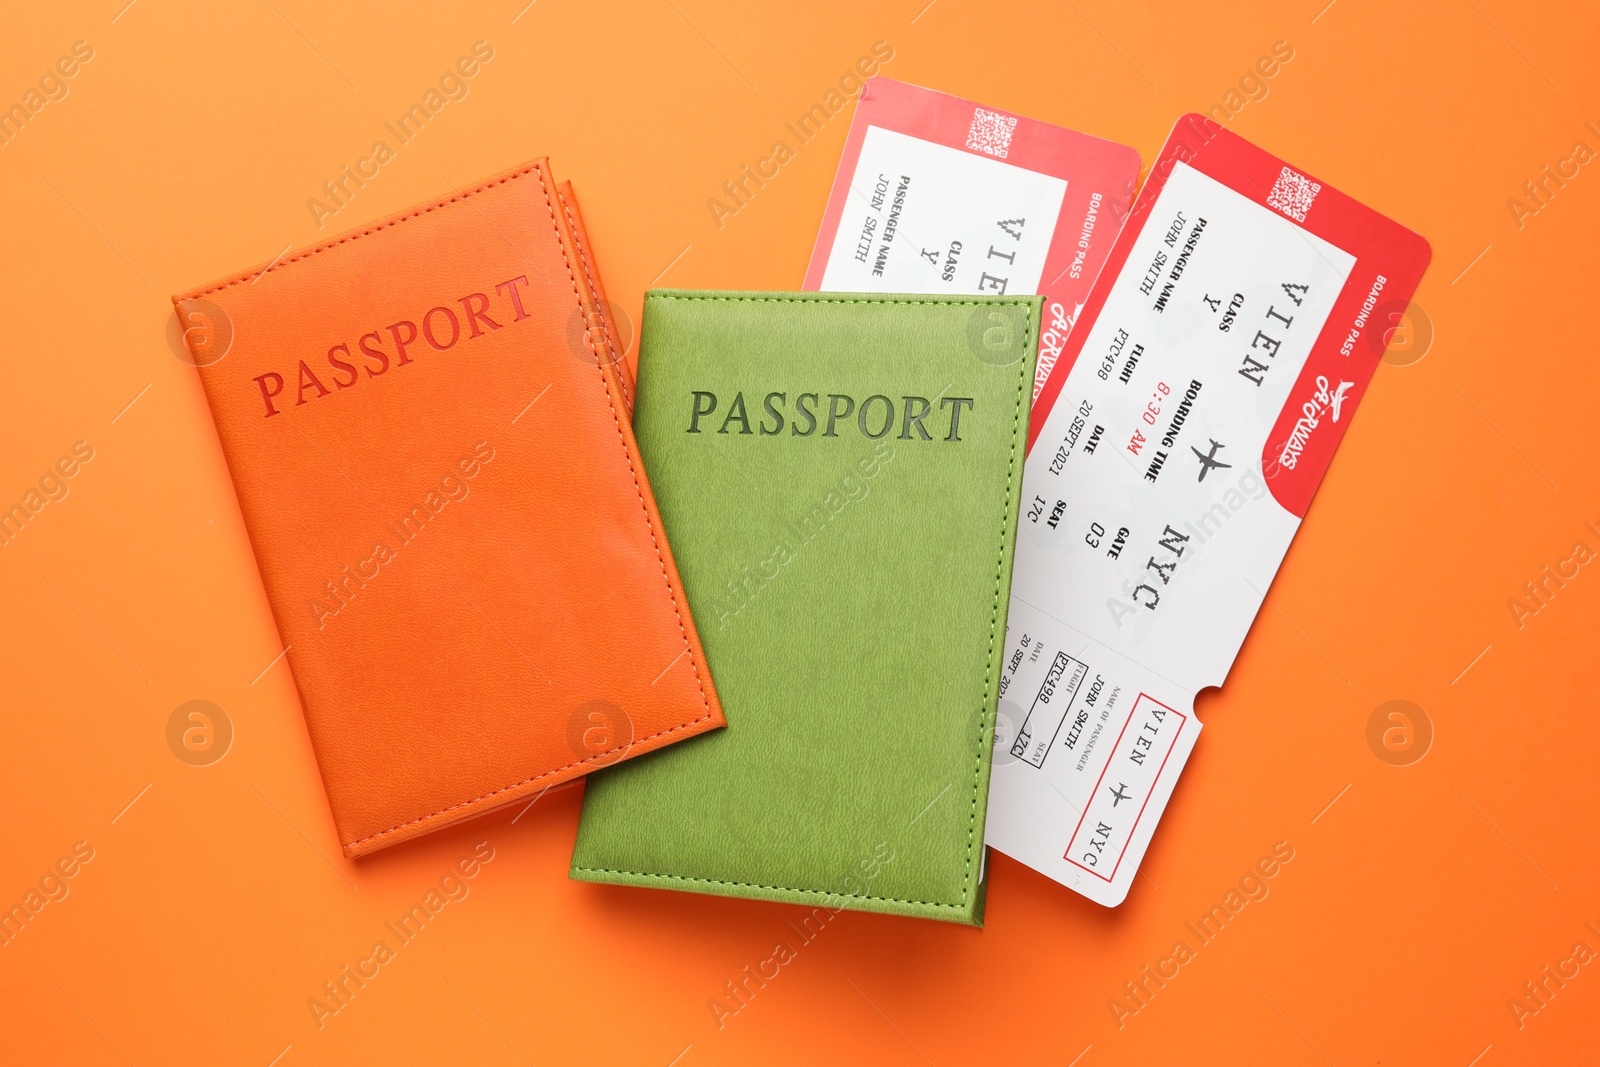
(1173, 451)
(936, 194)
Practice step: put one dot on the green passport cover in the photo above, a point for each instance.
(839, 477)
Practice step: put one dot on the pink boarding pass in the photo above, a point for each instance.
(936, 194)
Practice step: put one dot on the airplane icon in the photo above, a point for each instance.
(1120, 793)
(1208, 460)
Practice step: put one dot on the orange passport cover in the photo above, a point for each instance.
(427, 422)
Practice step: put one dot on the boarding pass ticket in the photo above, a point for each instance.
(1173, 453)
(936, 194)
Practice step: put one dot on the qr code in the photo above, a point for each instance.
(990, 132)
(1293, 194)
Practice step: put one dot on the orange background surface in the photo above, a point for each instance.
(1420, 897)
